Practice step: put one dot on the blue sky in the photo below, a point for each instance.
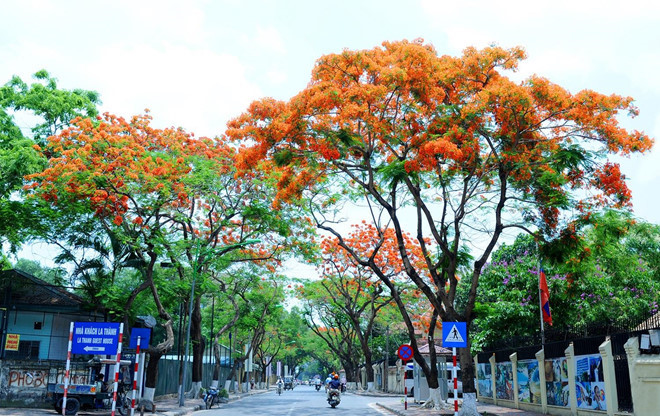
(197, 64)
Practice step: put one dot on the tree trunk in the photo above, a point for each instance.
(197, 348)
(469, 407)
(364, 345)
(217, 365)
(369, 370)
(151, 377)
(467, 370)
(233, 371)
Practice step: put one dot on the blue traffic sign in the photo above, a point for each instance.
(95, 338)
(454, 334)
(144, 334)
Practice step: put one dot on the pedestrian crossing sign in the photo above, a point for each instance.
(454, 334)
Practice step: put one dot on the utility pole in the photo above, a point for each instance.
(387, 358)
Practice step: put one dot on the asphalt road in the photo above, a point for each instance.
(302, 401)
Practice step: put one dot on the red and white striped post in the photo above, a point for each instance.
(68, 367)
(135, 375)
(117, 363)
(454, 376)
(405, 386)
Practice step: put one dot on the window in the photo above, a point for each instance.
(27, 350)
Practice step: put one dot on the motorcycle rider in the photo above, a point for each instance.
(280, 385)
(334, 385)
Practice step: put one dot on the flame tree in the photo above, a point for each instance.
(354, 292)
(163, 194)
(448, 148)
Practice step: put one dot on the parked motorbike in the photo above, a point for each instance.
(211, 397)
(334, 398)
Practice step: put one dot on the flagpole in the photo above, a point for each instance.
(541, 311)
(538, 251)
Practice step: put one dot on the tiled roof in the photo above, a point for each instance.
(424, 349)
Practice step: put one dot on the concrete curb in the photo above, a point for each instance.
(181, 412)
(389, 409)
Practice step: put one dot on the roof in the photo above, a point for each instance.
(22, 288)
(424, 349)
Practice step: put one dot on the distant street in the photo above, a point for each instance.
(302, 401)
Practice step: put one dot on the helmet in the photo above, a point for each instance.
(336, 377)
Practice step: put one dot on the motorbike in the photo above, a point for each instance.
(318, 386)
(334, 398)
(210, 397)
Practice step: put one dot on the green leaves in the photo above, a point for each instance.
(606, 274)
(283, 157)
(394, 171)
(56, 107)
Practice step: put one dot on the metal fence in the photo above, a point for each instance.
(168, 376)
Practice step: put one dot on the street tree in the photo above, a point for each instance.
(46, 109)
(331, 324)
(448, 148)
(129, 175)
(227, 219)
(357, 292)
(259, 306)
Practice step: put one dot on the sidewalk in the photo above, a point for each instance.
(395, 404)
(165, 406)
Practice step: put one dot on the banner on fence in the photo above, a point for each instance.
(484, 380)
(589, 382)
(504, 381)
(529, 383)
(556, 382)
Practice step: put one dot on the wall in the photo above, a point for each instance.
(23, 323)
(23, 383)
(569, 385)
(644, 379)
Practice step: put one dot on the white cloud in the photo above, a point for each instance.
(196, 89)
(276, 76)
(556, 64)
(269, 38)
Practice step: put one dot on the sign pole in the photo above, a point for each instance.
(405, 353)
(454, 376)
(135, 375)
(454, 335)
(114, 392)
(68, 366)
(405, 387)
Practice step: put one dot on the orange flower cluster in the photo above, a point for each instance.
(364, 240)
(122, 168)
(439, 116)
